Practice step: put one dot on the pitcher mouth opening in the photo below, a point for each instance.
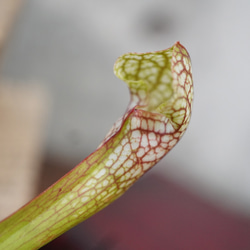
(159, 82)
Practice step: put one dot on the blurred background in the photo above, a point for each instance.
(56, 78)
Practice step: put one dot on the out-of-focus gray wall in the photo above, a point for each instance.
(71, 46)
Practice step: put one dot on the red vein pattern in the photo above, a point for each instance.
(161, 91)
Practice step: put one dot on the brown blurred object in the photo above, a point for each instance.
(8, 11)
(22, 118)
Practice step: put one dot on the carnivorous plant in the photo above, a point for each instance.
(161, 88)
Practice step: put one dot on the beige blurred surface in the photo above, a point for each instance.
(22, 119)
